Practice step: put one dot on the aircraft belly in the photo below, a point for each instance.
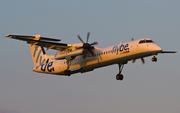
(111, 59)
(117, 59)
(104, 60)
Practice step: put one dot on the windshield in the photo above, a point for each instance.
(145, 41)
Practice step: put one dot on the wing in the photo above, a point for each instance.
(168, 52)
(41, 41)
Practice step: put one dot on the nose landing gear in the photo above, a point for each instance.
(154, 59)
(120, 76)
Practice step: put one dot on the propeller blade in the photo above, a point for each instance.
(80, 39)
(84, 54)
(86, 46)
(87, 37)
(91, 47)
(143, 61)
(91, 51)
(94, 43)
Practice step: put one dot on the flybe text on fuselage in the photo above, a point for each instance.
(47, 66)
(121, 48)
(39, 56)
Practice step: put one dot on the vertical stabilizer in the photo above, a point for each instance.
(38, 55)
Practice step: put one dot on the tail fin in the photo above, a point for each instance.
(38, 55)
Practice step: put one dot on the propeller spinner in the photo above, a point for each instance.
(86, 46)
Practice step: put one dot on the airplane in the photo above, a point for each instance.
(84, 57)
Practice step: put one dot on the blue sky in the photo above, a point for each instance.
(152, 87)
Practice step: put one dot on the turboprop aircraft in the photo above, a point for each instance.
(84, 57)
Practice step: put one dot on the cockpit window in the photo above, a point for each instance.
(145, 41)
(142, 41)
(149, 41)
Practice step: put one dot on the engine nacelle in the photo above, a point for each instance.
(69, 55)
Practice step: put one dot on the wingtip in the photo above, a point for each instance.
(169, 52)
(6, 36)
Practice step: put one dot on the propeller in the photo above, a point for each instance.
(142, 59)
(86, 46)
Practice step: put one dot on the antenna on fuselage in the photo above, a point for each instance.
(132, 39)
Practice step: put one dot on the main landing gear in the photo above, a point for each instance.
(67, 72)
(120, 76)
(154, 59)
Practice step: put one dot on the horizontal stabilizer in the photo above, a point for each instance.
(40, 41)
(32, 37)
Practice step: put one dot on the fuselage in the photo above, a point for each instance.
(120, 53)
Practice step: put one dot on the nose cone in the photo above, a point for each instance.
(156, 48)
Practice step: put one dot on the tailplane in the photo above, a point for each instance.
(36, 44)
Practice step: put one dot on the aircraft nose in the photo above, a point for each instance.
(157, 47)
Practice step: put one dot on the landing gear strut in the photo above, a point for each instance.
(120, 76)
(67, 72)
(154, 59)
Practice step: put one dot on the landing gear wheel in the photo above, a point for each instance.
(67, 72)
(119, 77)
(154, 59)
